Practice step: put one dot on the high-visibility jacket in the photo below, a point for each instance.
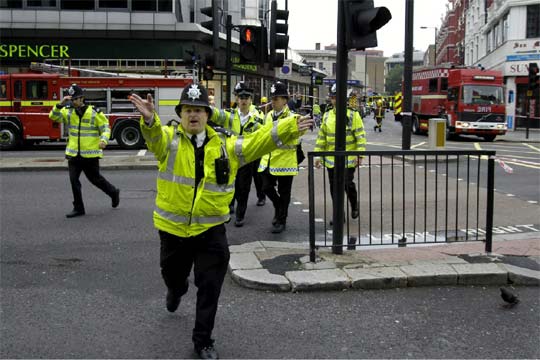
(355, 139)
(230, 120)
(181, 208)
(282, 161)
(84, 134)
(379, 112)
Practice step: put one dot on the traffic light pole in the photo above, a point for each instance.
(338, 196)
(406, 120)
(228, 61)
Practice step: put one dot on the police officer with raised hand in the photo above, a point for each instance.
(280, 166)
(244, 119)
(197, 167)
(355, 141)
(89, 133)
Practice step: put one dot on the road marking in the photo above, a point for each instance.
(417, 145)
(141, 152)
(532, 147)
(524, 165)
(297, 203)
(477, 146)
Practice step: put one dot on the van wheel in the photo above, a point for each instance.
(10, 137)
(129, 136)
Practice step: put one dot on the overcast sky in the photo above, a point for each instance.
(312, 21)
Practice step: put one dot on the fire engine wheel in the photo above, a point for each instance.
(9, 137)
(415, 125)
(489, 138)
(129, 136)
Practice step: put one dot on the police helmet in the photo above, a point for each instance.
(279, 88)
(195, 95)
(379, 102)
(75, 91)
(242, 89)
(333, 90)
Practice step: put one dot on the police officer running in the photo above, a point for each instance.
(244, 119)
(355, 141)
(280, 166)
(197, 167)
(89, 133)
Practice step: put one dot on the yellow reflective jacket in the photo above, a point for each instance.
(230, 120)
(282, 161)
(355, 139)
(181, 208)
(88, 131)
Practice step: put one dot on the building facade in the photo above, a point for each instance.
(505, 35)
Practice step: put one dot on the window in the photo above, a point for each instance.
(533, 21)
(17, 89)
(482, 94)
(433, 85)
(77, 4)
(143, 5)
(41, 3)
(453, 94)
(113, 4)
(321, 66)
(36, 90)
(334, 68)
(10, 4)
(505, 28)
(164, 5)
(3, 89)
(444, 83)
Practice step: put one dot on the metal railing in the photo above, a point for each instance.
(407, 198)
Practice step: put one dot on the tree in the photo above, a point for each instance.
(393, 80)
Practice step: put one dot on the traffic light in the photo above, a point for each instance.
(279, 40)
(362, 20)
(251, 45)
(208, 66)
(533, 76)
(212, 24)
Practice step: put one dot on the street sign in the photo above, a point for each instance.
(305, 70)
(286, 69)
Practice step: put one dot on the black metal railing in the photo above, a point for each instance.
(405, 198)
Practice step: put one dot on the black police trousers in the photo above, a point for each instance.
(350, 187)
(208, 254)
(280, 198)
(90, 167)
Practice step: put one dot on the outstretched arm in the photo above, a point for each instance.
(145, 107)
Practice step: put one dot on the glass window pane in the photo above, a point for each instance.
(113, 4)
(41, 3)
(3, 89)
(165, 5)
(36, 90)
(77, 4)
(10, 4)
(143, 5)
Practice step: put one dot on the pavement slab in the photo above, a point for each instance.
(377, 278)
(326, 279)
(480, 274)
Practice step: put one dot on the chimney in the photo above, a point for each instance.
(317, 46)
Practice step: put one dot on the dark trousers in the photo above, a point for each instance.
(242, 186)
(90, 167)
(350, 187)
(208, 254)
(280, 197)
(257, 179)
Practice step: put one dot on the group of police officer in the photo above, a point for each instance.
(202, 170)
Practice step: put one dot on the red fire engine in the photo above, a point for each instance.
(26, 100)
(470, 99)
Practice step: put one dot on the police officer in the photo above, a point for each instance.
(355, 141)
(280, 166)
(197, 167)
(245, 118)
(89, 133)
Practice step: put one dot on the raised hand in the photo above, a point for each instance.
(145, 107)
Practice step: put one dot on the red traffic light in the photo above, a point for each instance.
(248, 35)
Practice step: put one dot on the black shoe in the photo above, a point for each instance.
(208, 352)
(380, 130)
(375, 128)
(173, 299)
(239, 222)
(278, 228)
(75, 213)
(261, 202)
(115, 199)
(355, 213)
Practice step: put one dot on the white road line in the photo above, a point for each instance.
(141, 152)
(532, 147)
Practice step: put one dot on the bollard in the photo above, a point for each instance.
(437, 133)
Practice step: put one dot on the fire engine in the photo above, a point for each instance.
(27, 98)
(470, 99)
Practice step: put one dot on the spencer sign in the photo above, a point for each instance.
(23, 51)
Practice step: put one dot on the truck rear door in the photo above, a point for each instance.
(37, 102)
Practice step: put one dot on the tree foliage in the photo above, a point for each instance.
(393, 80)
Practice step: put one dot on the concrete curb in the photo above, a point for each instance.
(247, 270)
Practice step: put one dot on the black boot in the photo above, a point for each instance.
(75, 213)
(115, 198)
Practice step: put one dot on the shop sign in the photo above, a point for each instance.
(525, 46)
(516, 68)
(27, 51)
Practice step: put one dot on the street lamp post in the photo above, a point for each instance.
(435, 43)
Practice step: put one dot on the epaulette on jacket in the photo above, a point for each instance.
(224, 131)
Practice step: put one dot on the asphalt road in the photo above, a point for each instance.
(90, 287)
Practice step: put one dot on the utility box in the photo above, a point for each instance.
(437, 133)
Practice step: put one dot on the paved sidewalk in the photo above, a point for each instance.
(283, 266)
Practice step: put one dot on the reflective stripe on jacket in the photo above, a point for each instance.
(283, 160)
(185, 210)
(355, 139)
(88, 131)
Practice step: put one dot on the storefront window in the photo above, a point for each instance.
(113, 4)
(10, 4)
(77, 4)
(41, 3)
